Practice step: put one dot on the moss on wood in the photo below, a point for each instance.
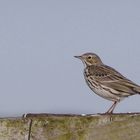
(71, 127)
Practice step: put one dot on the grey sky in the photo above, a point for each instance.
(38, 40)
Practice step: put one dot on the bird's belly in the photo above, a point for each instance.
(104, 92)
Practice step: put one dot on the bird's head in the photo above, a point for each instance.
(90, 59)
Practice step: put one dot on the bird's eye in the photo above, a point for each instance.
(89, 57)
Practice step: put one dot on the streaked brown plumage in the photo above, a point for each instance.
(106, 81)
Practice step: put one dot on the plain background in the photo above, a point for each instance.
(38, 40)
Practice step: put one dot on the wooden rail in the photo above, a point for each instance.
(71, 127)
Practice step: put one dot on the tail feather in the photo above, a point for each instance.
(137, 89)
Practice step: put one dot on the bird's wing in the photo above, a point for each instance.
(109, 77)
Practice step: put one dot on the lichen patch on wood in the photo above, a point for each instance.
(71, 127)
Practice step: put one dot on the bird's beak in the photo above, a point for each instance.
(79, 57)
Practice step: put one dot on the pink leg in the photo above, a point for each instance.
(110, 110)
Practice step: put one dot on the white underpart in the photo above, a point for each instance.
(106, 94)
(103, 91)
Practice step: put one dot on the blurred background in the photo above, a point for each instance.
(38, 39)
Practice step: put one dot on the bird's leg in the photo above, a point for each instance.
(114, 107)
(110, 111)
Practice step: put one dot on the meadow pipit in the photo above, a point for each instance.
(106, 81)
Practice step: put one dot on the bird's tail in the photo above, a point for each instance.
(137, 89)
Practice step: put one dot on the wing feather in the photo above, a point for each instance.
(111, 78)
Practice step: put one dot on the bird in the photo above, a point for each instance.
(105, 81)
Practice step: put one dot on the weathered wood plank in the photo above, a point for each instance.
(71, 127)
